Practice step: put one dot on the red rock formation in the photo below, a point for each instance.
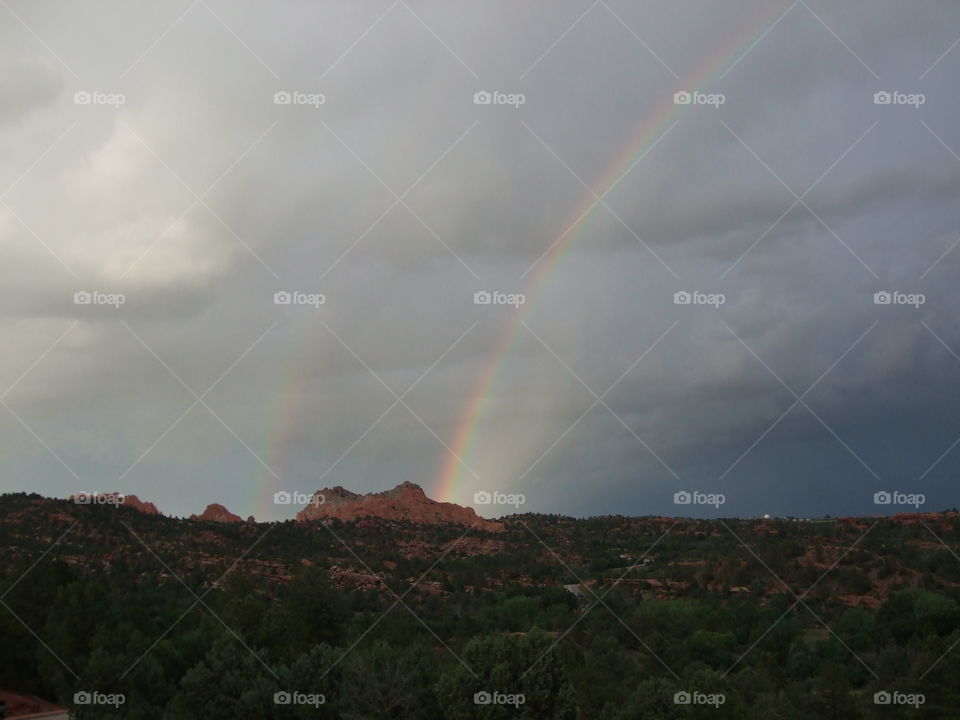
(347, 578)
(217, 513)
(404, 502)
(147, 508)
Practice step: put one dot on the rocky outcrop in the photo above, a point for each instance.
(147, 508)
(406, 501)
(217, 513)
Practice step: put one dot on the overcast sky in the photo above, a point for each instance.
(144, 153)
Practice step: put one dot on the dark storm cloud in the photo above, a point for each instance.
(197, 198)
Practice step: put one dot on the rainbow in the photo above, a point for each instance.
(285, 418)
(642, 141)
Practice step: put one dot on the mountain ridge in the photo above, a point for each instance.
(406, 501)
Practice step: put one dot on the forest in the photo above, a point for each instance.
(117, 614)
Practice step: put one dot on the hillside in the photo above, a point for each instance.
(714, 599)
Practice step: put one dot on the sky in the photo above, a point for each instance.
(171, 174)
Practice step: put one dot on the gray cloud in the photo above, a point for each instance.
(198, 198)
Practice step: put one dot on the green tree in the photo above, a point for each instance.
(383, 682)
(228, 684)
(834, 699)
(524, 666)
